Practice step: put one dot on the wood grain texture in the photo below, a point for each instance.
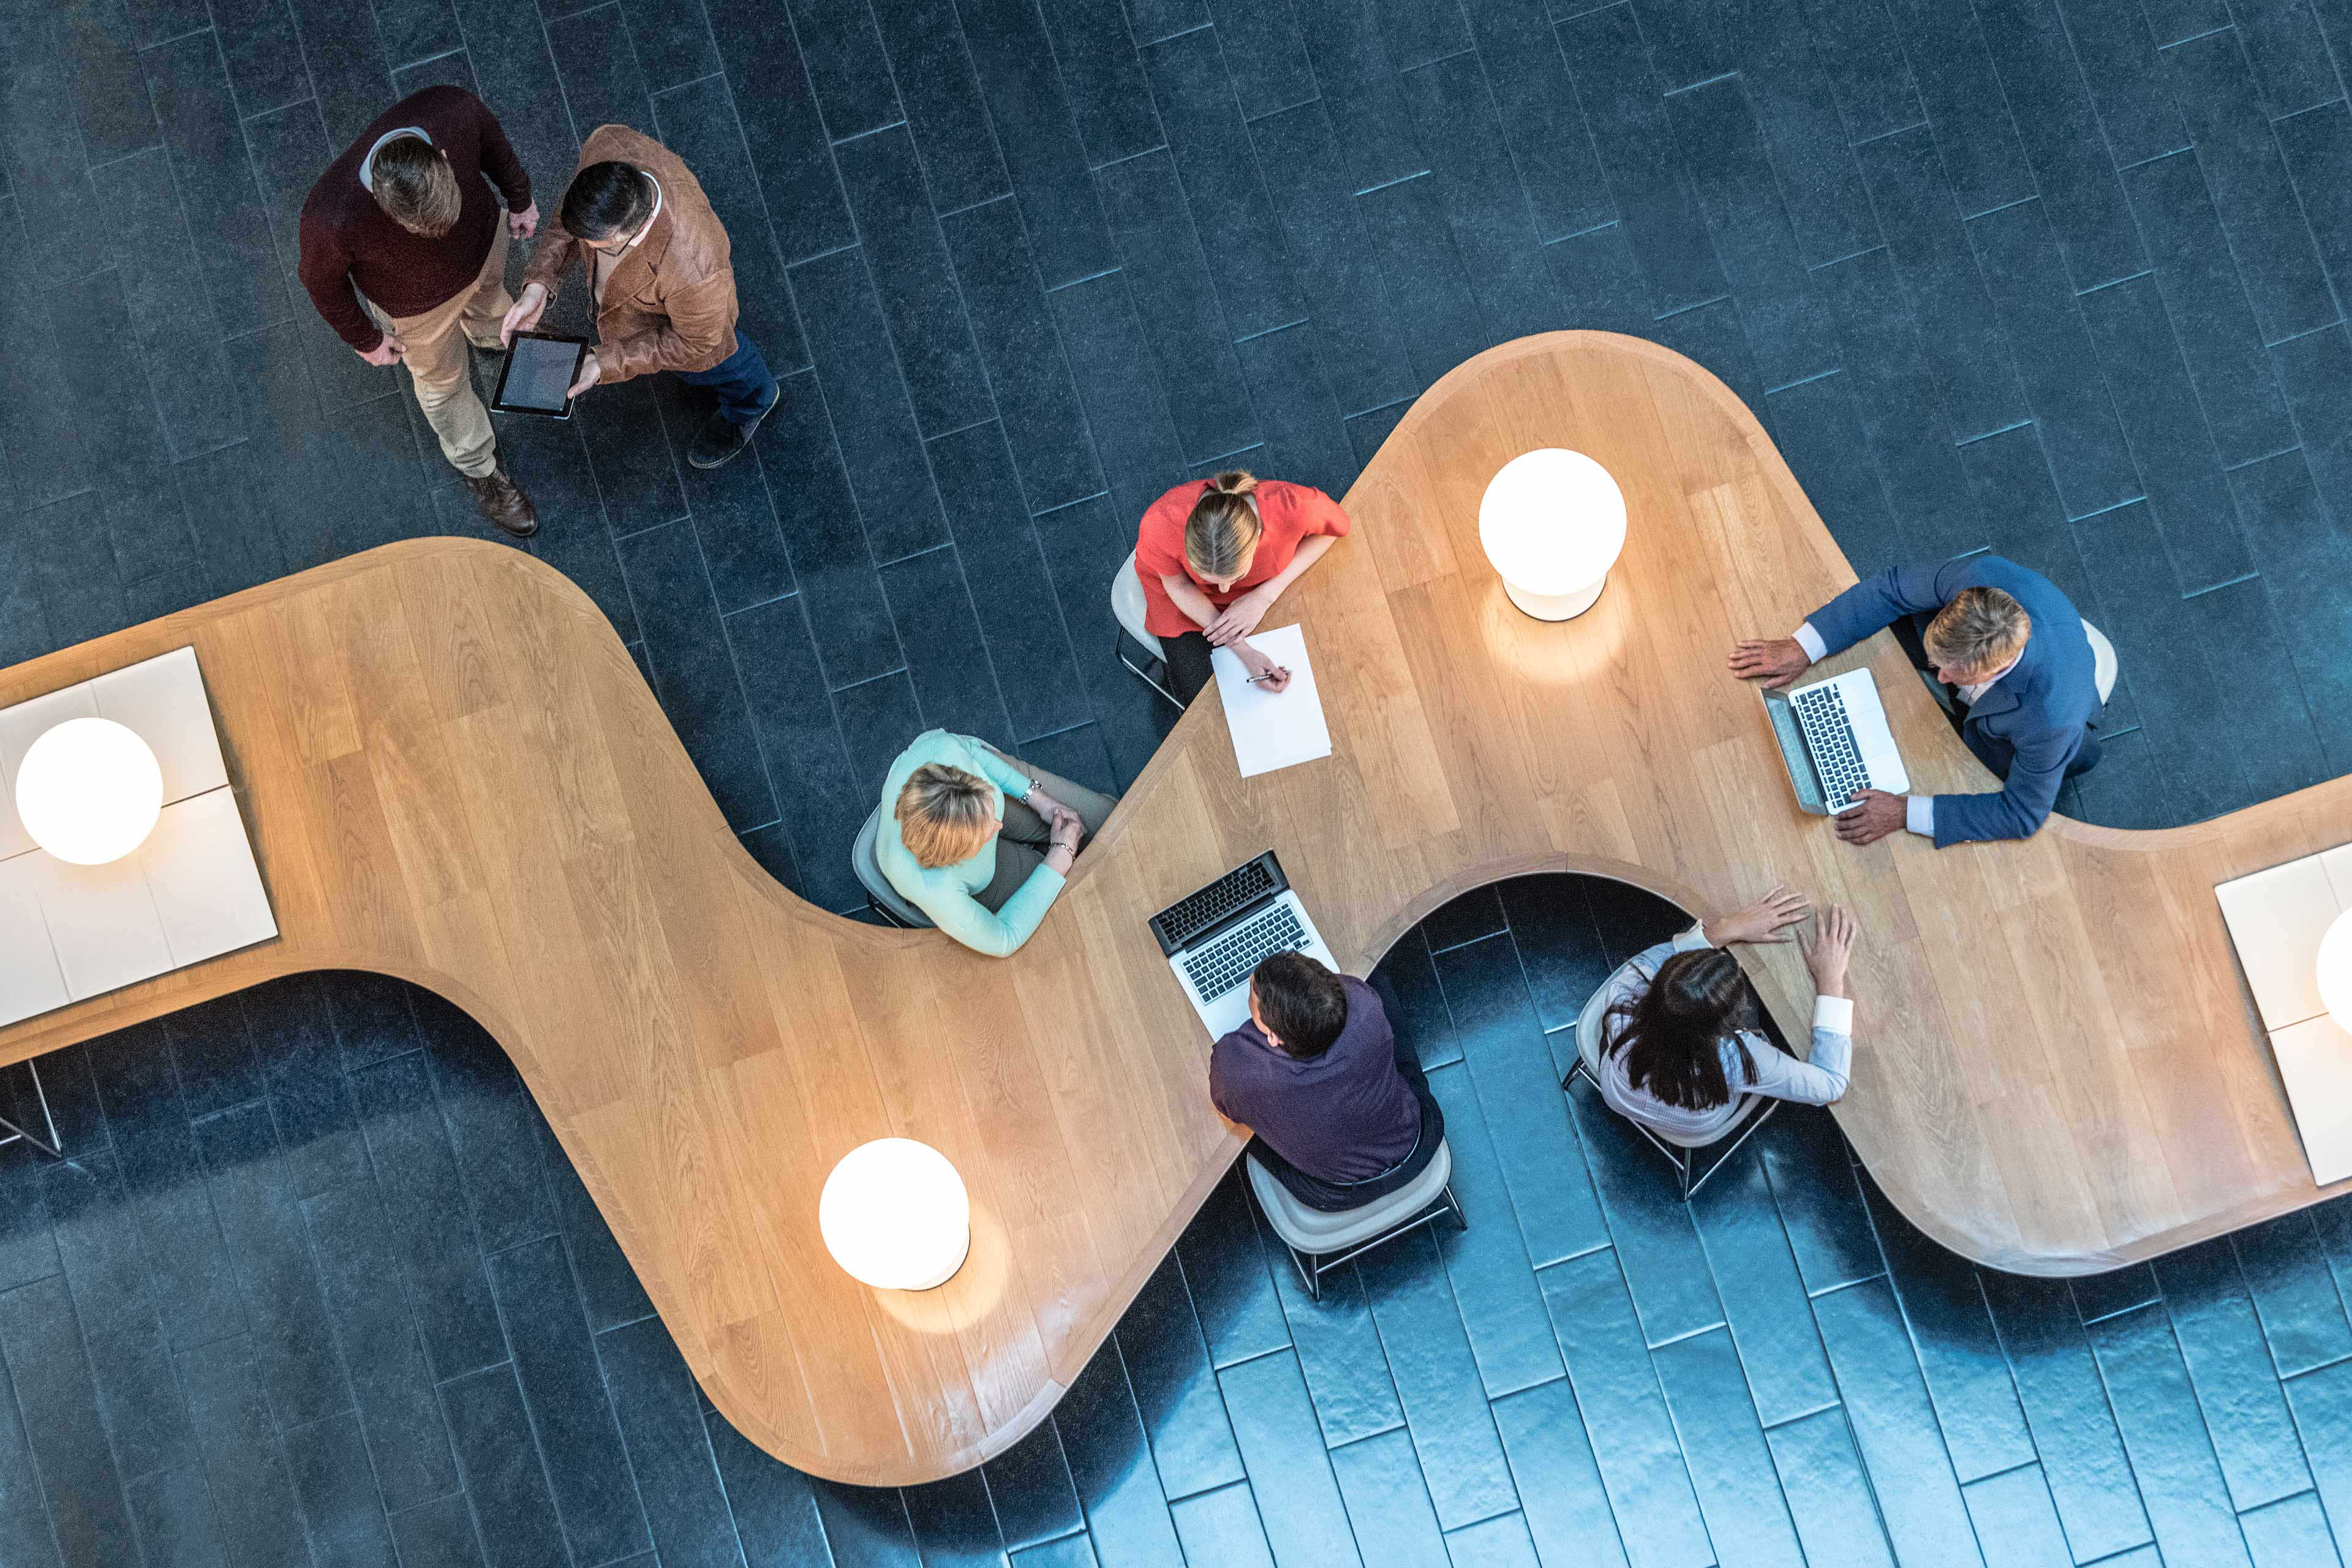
(453, 773)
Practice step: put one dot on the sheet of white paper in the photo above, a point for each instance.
(1273, 729)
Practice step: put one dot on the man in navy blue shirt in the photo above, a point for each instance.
(2019, 672)
(1340, 1106)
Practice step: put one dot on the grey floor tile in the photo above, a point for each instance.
(1388, 1502)
(1437, 1382)
(1829, 1498)
(1298, 1499)
(1566, 1506)
(1641, 1460)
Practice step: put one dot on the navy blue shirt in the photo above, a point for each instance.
(1346, 1116)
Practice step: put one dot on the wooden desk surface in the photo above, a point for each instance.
(455, 775)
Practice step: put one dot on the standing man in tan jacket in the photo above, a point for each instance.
(657, 259)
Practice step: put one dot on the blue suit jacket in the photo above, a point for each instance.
(2032, 725)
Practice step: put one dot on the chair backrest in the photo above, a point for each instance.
(869, 875)
(1319, 1231)
(1588, 1021)
(2103, 660)
(1127, 605)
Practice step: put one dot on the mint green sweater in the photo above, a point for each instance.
(945, 894)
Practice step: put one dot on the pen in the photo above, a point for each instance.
(1268, 676)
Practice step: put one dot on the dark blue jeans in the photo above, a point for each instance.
(742, 381)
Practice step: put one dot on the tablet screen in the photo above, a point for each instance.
(540, 374)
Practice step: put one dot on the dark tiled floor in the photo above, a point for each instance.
(2059, 276)
(319, 1289)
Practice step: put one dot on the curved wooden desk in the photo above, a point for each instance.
(455, 775)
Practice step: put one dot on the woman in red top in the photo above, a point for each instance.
(1214, 556)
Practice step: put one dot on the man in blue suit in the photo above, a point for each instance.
(2010, 650)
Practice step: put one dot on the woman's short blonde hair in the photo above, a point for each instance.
(415, 186)
(1221, 535)
(1978, 631)
(943, 815)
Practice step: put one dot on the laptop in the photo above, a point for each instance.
(1215, 939)
(1834, 741)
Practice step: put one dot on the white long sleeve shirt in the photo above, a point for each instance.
(1777, 1076)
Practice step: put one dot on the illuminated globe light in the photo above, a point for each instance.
(2335, 970)
(893, 1214)
(1552, 523)
(89, 791)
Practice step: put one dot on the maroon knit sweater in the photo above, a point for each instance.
(348, 242)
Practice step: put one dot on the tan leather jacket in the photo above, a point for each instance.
(669, 303)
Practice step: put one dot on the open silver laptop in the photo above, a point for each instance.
(1834, 740)
(1215, 939)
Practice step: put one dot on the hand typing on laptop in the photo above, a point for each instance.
(1873, 815)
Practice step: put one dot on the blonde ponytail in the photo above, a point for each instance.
(1221, 535)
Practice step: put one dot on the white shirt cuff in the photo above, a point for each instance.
(1693, 940)
(1834, 1014)
(1919, 814)
(1811, 641)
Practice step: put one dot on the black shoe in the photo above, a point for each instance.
(720, 439)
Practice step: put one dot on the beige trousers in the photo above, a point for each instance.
(437, 363)
(1021, 846)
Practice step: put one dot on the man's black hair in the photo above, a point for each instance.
(606, 200)
(1303, 1003)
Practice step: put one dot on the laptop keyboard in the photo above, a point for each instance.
(1231, 959)
(1237, 888)
(1828, 735)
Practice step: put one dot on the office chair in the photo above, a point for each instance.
(1689, 1171)
(880, 896)
(1320, 1240)
(54, 1148)
(1127, 609)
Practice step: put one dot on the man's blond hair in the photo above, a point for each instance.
(1979, 631)
(943, 815)
(415, 186)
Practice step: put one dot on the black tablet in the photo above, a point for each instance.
(539, 373)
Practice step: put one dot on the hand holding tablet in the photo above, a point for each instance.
(543, 373)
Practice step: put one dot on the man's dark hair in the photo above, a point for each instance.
(606, 199)
(1302, 1002)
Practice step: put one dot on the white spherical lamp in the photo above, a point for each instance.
(894, 1213)
(89, 791)
(1552, 523)
(2335, 970)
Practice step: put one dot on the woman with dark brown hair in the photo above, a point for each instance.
(1213, 555)
(1679, 1050)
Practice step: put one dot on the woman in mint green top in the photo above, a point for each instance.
(979, 841)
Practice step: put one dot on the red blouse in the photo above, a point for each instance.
(1290, 514)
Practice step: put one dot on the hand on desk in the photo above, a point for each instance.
(1761, 921)
(1873, 815)
(1238, 619)
(1776, 662)
(1831, 948)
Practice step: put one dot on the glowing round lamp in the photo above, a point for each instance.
(1552, 523)
(89, 791)
(894, 1213)
(2335, 970)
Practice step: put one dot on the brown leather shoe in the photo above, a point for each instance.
(498, 497)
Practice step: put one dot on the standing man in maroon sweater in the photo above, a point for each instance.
(405, 255)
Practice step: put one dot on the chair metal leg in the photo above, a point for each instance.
(1118, 651)
(889, 916)
(1758, 1120)
(54, 1147)
(1310, 1277)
